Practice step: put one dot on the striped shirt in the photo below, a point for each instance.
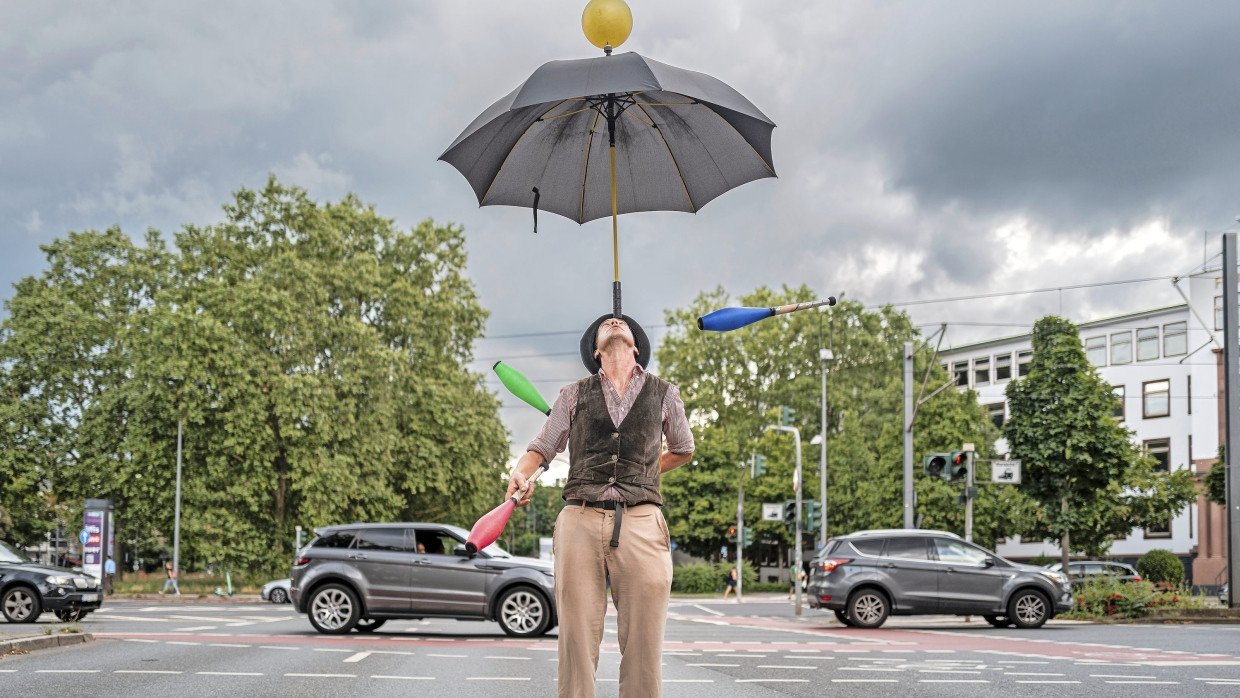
(553, 438)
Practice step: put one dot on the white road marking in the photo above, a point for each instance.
(1048, 682)
(229, 673)
(785, 666)
(144, 671)
(357, 657)
(449, 656)
(1033, 673)
(403, 678)
(66, 671)
(952, 681)
(497, 678)
(180, 642)
(498, 657)
(772, 681)
(278, 647)
(324, 676)
(228, 644)
(134, 639)
(708, 610)
(865, 681)
(194, 629)
(1114, 676)
(714, 665)
(1167, 683)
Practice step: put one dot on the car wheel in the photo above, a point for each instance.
(1029, 609)
(21, 605)
(523, 612)
(70, 616)
(868, 608)
(998, 621)
(334, 609)
(369, 625)
(843, 618)
(279, 595)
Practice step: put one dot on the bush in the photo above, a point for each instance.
(1161, 567)
(1121, 600)
(1042, 560)
(705, 578)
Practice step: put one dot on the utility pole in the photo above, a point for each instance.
(908, 435)
(968, 493)
(1231, 354)
(740, 531)
(796, 485)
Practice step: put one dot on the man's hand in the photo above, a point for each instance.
(519, 481)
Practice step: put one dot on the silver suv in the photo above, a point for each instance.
(359, 576)
(866, 576)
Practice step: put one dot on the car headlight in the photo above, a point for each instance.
(1058, 577)
(60, 581)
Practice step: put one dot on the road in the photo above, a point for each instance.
(759, 648)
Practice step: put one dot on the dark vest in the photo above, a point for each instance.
(626, 457)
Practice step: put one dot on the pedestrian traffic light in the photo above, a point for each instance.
(731, 532)
(813, 514)
(790, 511)
(785, 416)
(957, 469)
(748, 536)
(935, 464)
(759, 465)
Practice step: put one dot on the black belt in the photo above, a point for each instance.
(616, 505)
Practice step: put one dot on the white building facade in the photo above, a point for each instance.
(1165, 366)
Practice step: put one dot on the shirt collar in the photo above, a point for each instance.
(637, 371)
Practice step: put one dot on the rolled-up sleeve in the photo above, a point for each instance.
(553, 438)
(675, 423)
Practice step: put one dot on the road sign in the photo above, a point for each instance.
(772, 512)
(84, 536)
(1005, 472)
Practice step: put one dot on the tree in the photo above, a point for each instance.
(1089, 481)
(1216, 478)
(734, 383)
(315, 354)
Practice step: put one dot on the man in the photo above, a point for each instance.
(109, 571)
(612, 529)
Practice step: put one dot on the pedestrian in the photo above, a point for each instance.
(172, 578)
(730, 581)
(612, 527)
(793, 575)
(109, 571)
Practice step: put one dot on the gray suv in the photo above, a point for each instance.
(359, 576)
(866, 576)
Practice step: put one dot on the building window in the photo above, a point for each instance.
(981, 371)
(1003, 367)
(996, 413)
(1156, 398)
(1175, 339)
(1163, 531)
(1160, 450)
(1096, 350)
(1118, 392)
(1147, 343)
(1121, 348)
(961, 369)
(1023, 359)
(1218, 312)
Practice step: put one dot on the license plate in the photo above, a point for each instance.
(90, 597)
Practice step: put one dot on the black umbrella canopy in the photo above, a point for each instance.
(682, 138)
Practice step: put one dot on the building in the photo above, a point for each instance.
(1165, 366)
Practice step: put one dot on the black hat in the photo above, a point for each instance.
(589, 339)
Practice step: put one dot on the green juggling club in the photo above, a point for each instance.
(520, 386)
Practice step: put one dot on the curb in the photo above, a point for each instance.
(22, 645)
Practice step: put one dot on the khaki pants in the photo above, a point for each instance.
(640, 570)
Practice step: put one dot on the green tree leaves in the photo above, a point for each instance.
(1089, 481)
(315, 353)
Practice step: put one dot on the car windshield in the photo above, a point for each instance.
(9, 553)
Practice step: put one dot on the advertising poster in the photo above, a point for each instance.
(92, 550)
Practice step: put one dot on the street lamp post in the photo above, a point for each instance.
(825, 356)
(796, 486)
(176, 522)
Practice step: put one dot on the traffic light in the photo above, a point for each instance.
(731, 532)
(790, 511)
(957, 469)
(813, 514)
(785, 416)
(935, 464)
(759, 465)
(748, 538)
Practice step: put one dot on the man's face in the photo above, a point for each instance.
(614, 329)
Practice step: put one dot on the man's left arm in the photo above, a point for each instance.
(676, 429)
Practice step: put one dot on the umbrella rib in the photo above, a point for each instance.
(692, 205)
(585, 168)
(696, 102)
(511, 150)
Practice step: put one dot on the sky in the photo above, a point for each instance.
(943, 156)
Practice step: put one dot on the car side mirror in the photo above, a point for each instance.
(989, 562)
(460, 551)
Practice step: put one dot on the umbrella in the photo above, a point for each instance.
(616, 134)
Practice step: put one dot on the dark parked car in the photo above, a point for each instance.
(869, 575)
(359, 576)
(28, 589)
(1082, 571)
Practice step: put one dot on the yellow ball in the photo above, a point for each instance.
(607, 22)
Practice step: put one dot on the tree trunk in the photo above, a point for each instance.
(1065, 542)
